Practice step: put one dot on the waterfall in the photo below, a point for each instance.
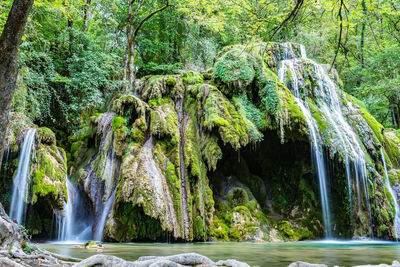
(98, 235)
(396, 223)
(317, 153)
(20, 182)
(73, 223)
(326, 98)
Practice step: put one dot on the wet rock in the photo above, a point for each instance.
(232, 263)
(305, 264)
(394, 264)
(187, 259)
(10, 234)
(92, 244)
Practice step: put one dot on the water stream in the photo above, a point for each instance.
(73, 223)
(98, 235)
(20, 182)
(396, 223)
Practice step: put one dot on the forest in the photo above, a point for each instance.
(196, 121)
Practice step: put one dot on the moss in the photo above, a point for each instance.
(134, 224)
(138, 130)
(291, 233)
(376, 127)
(174, 184)
(157, 86)
(49, 178)
(385, 214)
(46, 136)
(120, 143)
(155, 103)
(192, 77)
(236, 68)
(255, 118)
(220, 230)
(130, 107)
(117, 123)
(391, 145)
(211, 152)
(219, 113)
(199, 229)
(164, 121)
(171, 81)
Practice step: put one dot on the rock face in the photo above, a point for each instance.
(223, 158)
(10, 234)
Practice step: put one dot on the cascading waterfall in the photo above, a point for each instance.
(288, 65)
(327, 99)
(20, 182)
(109, 193)
(71, 223)
(98, 235)
(396, 223)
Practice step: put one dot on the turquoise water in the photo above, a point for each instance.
(255, 254)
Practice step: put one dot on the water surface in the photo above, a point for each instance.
(255, 254)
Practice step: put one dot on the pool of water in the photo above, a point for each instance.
(255, 254)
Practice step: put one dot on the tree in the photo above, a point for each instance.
(9, 43)
(132, 31)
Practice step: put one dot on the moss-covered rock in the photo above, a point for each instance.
(46, 136)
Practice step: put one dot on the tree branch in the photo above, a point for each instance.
(340, 33)
(148, 17)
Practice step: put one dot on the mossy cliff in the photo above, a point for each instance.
(223, 155)
(47, 190)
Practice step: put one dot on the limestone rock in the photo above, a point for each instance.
(305, 264)
(186, 259)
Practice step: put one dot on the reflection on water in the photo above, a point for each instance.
(255, 254)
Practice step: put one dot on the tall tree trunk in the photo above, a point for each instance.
(131, 65)
(71, 35)
(364, 8)
(9, 43)
(132, 33)
(86, 15)
(130, 57)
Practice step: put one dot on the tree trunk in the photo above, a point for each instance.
(132, 33)
(131, 65)
(364, 8)
(86, 15)
(71, 35)
(9, 43)
(130, 57)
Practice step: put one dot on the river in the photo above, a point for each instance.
(255, 254)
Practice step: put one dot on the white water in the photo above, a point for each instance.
(71, 224)
(288, 65)
(327, 101)
(20, 182)
(396, 223)
(98, 235)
